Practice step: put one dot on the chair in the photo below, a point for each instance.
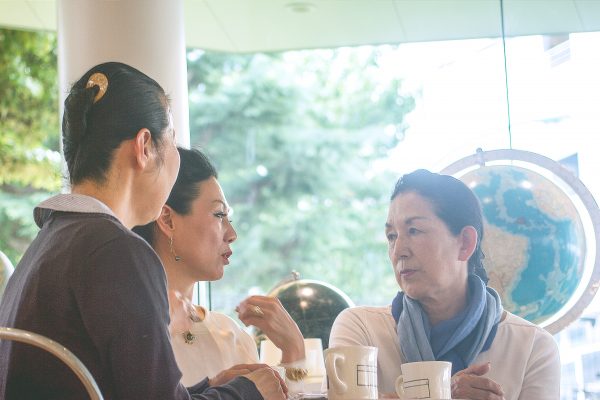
(59, 351)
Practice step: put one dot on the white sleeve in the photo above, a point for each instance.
(250, 346)
(245, 347)
(542, 374)
(349, 329)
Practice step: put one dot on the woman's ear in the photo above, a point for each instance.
(165, 221)
(468, 242)
(143, 148)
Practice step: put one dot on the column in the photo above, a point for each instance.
(146, 34)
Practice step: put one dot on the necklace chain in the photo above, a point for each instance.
(188, 336)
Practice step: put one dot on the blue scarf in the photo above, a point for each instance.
(459, 339)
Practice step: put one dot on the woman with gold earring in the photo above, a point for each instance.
(193, 237)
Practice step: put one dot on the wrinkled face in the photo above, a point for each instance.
(425, 255)
(202, 238)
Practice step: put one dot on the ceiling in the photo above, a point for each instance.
(271, 25)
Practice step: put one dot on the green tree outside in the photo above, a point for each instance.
(29, 133)
(296, 138)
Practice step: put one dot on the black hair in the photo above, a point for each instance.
(92, 130)
(453, 202)
(194, 169)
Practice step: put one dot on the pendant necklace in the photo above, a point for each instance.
(188, 336)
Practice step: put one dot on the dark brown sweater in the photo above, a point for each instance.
(97, 288)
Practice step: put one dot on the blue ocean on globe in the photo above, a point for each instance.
(534, 241)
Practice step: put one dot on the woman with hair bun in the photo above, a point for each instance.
(87, 281)
(445, 310)
(193, 238)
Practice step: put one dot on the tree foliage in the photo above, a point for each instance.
(29, 132)
(296, 138)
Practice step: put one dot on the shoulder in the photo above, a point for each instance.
(221, 320)
(116, 258)
(515, 327)
(91, 230)
(107, 229)
(515, 323)
(218, 321)
(92, 243)
(366, 313)
(110, 233)
(363, 319)
(362, 325)
(121, 250)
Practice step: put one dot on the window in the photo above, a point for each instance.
(308, 145)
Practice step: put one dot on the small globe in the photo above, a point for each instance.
(534, 242)
(314, 305)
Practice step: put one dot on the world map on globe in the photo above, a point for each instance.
(534, 240)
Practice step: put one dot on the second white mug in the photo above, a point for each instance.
(424, 380)
(351, 372)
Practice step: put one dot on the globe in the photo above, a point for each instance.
(534, 240)
(314, 305)
(538, 245)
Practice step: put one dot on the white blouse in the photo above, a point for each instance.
(220, 344)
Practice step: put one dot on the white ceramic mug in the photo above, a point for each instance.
(269, 353)
(315, 364)
(424, 380)
(351, 372)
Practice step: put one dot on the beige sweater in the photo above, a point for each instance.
(524, 358)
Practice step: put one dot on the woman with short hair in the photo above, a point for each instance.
(444, 310)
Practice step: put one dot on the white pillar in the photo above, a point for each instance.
(146, 34)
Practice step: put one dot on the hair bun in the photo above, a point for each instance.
(100, 80)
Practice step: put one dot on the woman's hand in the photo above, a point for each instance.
(471, 384)
(230, 373)
(267, 381)
(271, 318)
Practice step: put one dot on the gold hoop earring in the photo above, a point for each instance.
(177, 258)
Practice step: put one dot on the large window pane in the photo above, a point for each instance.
(309, 144)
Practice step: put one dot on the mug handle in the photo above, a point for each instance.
(334, 380)
(399, 385)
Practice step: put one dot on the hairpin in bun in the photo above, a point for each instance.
(100, 80)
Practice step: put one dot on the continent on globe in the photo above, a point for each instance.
(509, 260)
(534, 241)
